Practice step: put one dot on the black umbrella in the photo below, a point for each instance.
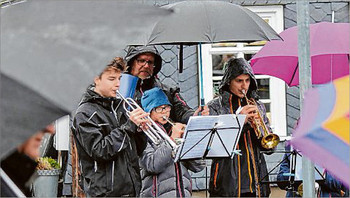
(199, 22)
(50, 52)
(196, 22)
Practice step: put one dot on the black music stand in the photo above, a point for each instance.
(208, 137)
(294, 174)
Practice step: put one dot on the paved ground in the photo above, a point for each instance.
(275, 193)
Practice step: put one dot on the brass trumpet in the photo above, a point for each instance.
(268, 140)
(154, 132)
(171, 122)
(300, 190)
(178, 141)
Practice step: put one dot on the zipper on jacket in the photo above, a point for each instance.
(114, 111)
(178, 180)
(154, 190)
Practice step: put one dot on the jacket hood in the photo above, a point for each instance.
(134, 51)
(233, 68)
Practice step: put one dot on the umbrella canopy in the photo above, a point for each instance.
(50, 52)
(329, 51)
(199, 22)
(196, 22)
(323, 130)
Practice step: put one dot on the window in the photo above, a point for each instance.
(271, 89)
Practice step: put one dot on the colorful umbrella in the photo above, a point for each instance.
(323, 131)
(329, 51)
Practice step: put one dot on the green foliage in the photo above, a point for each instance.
(47, 163)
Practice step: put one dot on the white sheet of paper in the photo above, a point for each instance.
(197, 135)
(229, 137)
(299, 170)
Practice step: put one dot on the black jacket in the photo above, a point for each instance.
(107, 151)
(20, 168)
(232, 177)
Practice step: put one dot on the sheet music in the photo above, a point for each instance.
(201, 122)
(299, 170)
(198, 128)
(193, 139)
(229, 135)
(197, 136)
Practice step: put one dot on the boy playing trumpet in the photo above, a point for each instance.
(161, 176)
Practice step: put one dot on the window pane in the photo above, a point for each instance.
(218, 63)
(248, 56)
(264, 88)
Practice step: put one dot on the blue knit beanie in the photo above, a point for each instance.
(153, 98)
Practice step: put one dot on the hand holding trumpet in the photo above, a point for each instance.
(139, 117)
(251, 112)
(178, 130)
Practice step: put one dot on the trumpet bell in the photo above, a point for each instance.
(270, 141)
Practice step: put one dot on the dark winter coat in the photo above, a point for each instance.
(19, 168)
(180, 111)
(107, 151)
(232, 177)
(161, 177)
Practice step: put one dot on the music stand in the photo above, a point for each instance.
(208, 137)
(295, 176)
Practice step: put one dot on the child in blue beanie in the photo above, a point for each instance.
(155, 102)
(161, 176)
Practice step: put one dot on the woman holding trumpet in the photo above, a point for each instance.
(161, 176)
(240, 176)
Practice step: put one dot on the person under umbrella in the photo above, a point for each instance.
(145, 63)
(161, 176)
(107, 150)
(240, 176)
(20, 164)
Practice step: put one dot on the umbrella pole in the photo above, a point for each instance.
(202, 103)
(305, 84)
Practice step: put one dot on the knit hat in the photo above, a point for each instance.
(153, 98)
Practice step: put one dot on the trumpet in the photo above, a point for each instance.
(300, 190)
(154, 132)
(171, 122)
(269, 140)
(178, 141)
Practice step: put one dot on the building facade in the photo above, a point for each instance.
(282, 102)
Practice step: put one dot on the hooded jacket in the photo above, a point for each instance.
(107, 151)
(232, 177)
(180, 111)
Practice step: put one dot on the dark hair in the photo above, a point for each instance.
(117, 64)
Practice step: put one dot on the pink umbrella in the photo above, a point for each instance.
(329, 51)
